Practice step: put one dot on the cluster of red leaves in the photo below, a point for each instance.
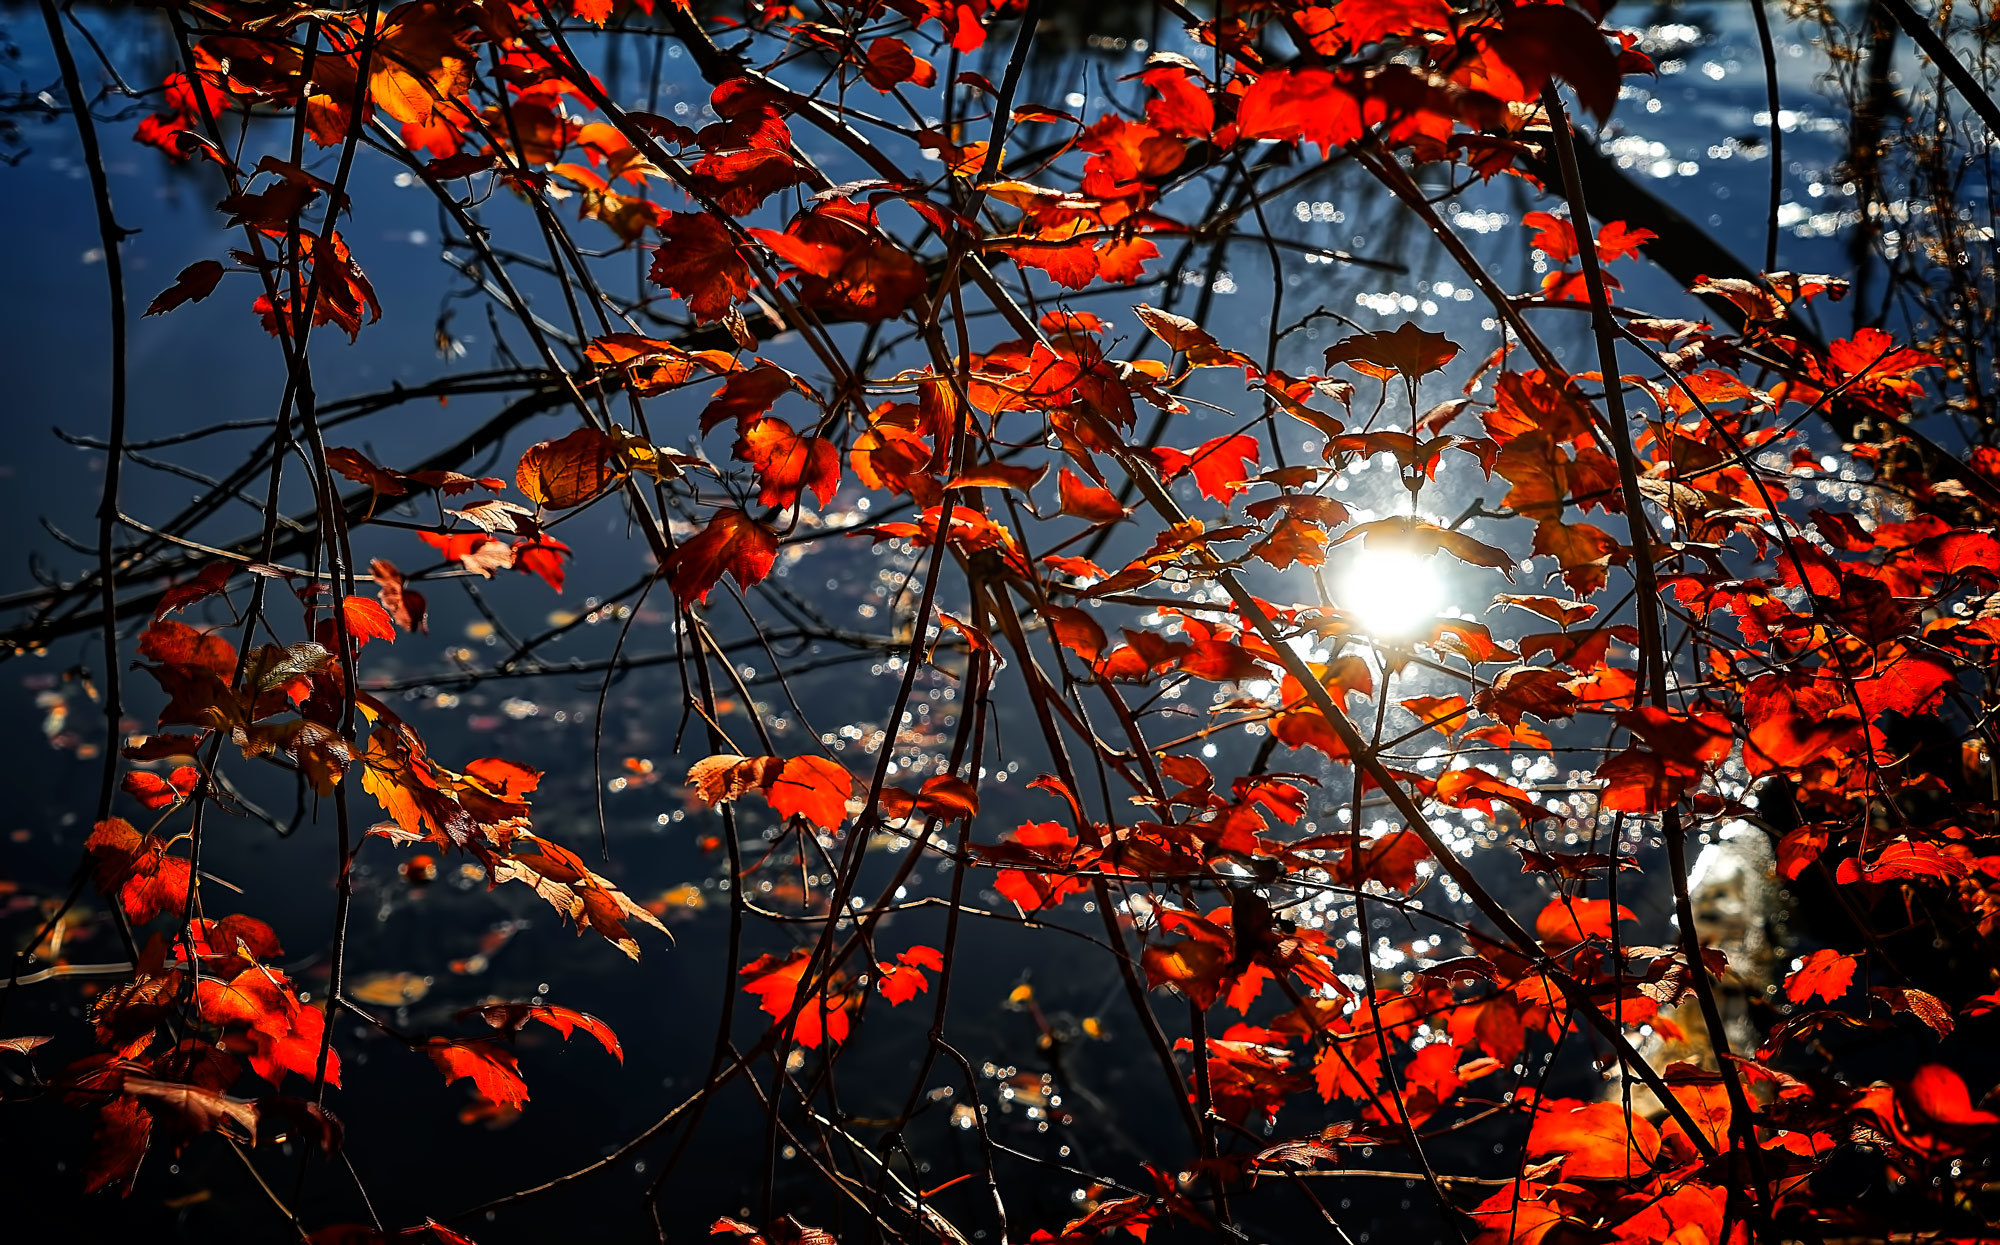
(1821, 637)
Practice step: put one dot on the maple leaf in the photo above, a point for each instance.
(776, 981)
(1361, 24)
(904, 980)
(1291, 104)
(745, 395)
(1825, 974)
(1595, 1140)
(787, 463)
(733, 542)
(1406, 349)
(366, 620)
(542, 556)
(146, 880)
(1221, 466)
(420, 61)
(811, 787)
(697, 260)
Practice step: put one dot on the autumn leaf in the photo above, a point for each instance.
(146, 881)
(732, 542)
(567, 472)
(1940, 1093)
(787, 463)
(156, 792)
(1824, 974)
(493, 1071)
(1595, 1140)
(1400, 534)
(697, 260)
(366, 620)
(542, 556)
(475, 551)
(776, 981)
(811, 787)
(404, 604)
(904, 980)
(1221, 466)
(1084, 500)
(1406, 349)
(196, 282)
(719, 779)
(1565, 922)
(510, 1017)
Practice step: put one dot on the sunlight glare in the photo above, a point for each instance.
(1390, 593)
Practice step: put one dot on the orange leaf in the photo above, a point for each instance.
(811, 787)
(787, 463)
(1826, 974)
(367, 621)
(733, 542)
(567, 472)
(1084, 500)
(1596, 1140)
(494, 1074)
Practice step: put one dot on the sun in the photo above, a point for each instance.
(1391, 594)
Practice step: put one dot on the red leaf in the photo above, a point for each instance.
(787, 463)
(564, 1020)
(1566, 922)
(405, 604)
(367, 621)
(1288, 105)
(210, 581)
(775, 981)
(146, 880)
(1940, 1093)
(475, 551)
(1824, 975)
(1084, 500)
(1221, 466)
(157, 793)
(1595, 1140)
(733, 542)
(542, 555)
(494, 1074)
(811, 787)
(904, 980)
(697, 260)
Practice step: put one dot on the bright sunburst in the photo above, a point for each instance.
(1391, 594)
